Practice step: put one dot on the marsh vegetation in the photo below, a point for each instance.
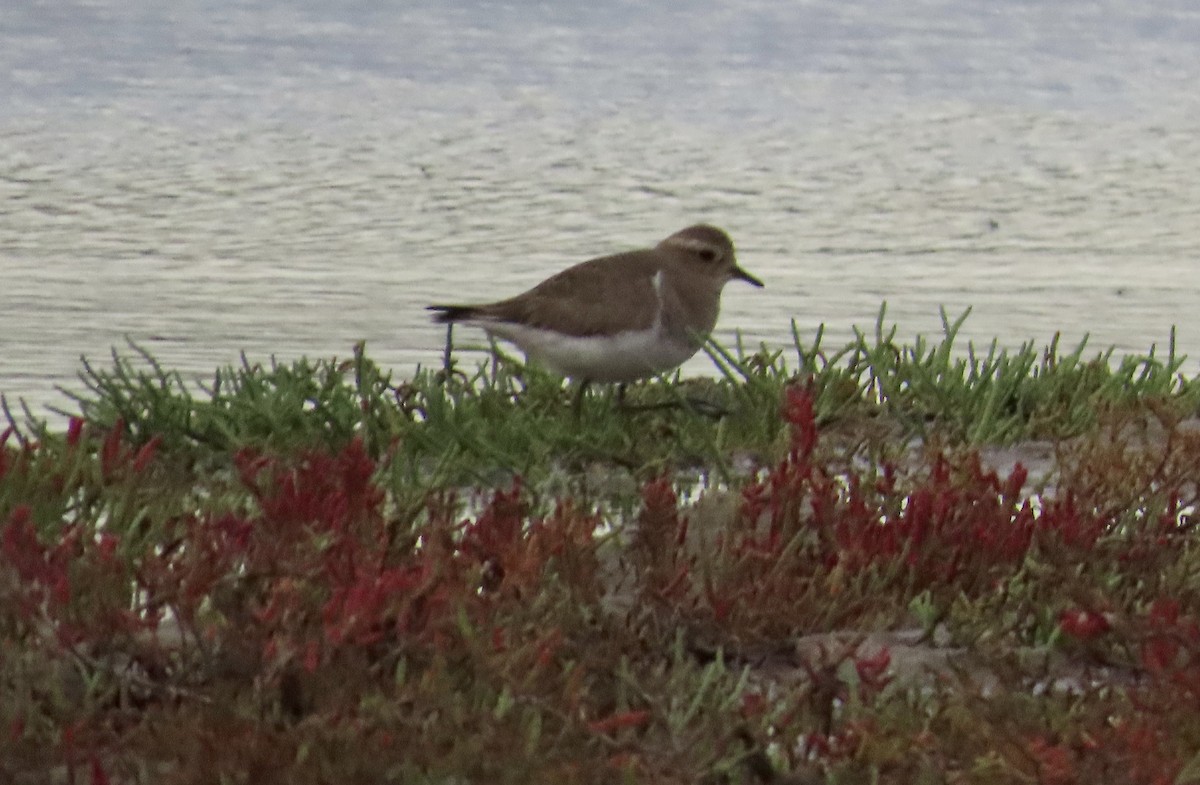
(879, 562)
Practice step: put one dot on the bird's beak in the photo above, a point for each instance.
(742, 275)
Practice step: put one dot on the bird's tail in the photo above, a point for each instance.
(444, 314)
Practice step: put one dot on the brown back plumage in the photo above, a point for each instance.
(614, 293)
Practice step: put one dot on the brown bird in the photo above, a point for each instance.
(618, 318)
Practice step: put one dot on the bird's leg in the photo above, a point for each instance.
(583, 385)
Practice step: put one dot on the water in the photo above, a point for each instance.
(286, 178)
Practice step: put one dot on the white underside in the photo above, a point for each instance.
(624, 357)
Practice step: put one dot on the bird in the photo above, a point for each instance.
(618, 318)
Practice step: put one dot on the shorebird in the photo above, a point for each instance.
(617, 318)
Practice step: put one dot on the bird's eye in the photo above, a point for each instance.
(708, 254)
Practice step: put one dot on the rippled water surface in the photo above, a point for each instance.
(287, 178)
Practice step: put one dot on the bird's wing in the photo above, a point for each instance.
(596, 297)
